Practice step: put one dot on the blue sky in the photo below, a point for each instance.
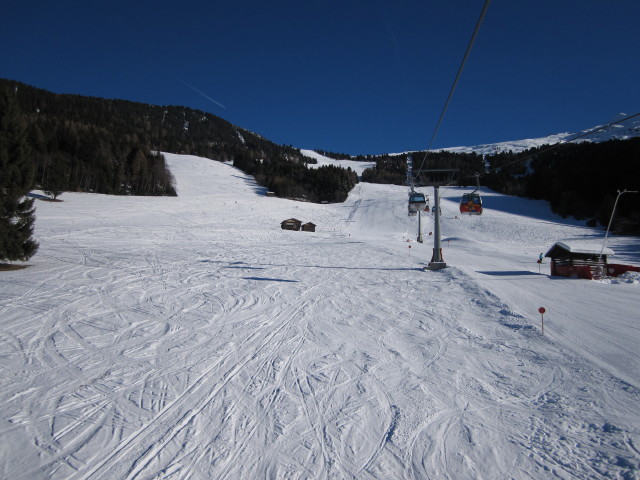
(348, 76)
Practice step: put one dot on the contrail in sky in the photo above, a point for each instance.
(200, 92)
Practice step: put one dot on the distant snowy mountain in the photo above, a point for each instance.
(621, 131)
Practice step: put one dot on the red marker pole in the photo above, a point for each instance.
(542, 310)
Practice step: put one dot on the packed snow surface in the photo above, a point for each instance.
(193, 338)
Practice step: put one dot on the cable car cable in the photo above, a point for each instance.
(455, 82)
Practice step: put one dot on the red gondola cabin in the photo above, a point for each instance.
(471, 204)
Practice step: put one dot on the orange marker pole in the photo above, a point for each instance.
(542, 310)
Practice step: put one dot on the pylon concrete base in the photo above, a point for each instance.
(436, 266)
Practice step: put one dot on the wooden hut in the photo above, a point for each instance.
(577, 260)
(291, 224)
(309, 227)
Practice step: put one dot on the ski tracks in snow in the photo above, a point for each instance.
(209, 349)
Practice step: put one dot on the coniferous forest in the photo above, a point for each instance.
(579, 180)
(107, 146)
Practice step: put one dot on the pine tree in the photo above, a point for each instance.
(16, 178)
(57, 179)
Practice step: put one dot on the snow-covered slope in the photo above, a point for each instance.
(358, 167)
(193, 338)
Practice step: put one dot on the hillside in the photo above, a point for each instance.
(192, 337)
(87, 144)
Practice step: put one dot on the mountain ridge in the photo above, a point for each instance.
(600, 133)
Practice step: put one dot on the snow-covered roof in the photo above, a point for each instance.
(582, 247)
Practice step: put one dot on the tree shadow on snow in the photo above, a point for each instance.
(45, 198)
(510, 273)
(265, 279)
(243, 265)
(244, 268)
(525, 207)
(259, 189)
(333, 267)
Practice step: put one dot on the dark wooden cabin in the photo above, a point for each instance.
(291, 224)
(309, 227)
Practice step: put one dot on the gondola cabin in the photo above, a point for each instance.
(417, 202)
(471, 204)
